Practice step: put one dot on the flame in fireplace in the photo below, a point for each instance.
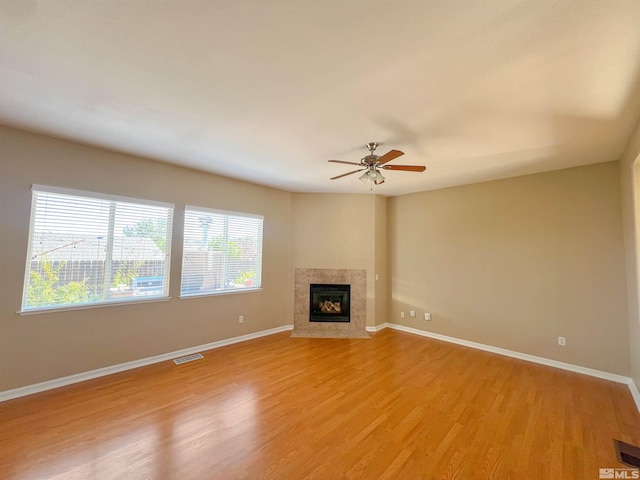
(330, 307)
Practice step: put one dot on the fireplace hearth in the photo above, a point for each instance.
(329, 303)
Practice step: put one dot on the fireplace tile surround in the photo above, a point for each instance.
(302, 327)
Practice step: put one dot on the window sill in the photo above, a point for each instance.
(68, 308)
(224, 292)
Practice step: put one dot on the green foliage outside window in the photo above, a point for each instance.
(155, 230)
(45, 288)
(246, 277)
(234, 251)
(126, 272)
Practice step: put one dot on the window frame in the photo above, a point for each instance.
(226, 214)
(105, 302)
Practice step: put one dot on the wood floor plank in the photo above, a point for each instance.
(396, 406)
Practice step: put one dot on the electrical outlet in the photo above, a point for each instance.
(241, 318)
(427, 316)
(377, 276)
(562, 341)
(412, 313)
(401, 314)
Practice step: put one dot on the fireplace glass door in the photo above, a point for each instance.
(329, 303)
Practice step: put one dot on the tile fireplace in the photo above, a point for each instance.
(330, 303)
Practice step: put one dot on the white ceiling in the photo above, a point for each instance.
(269, 90)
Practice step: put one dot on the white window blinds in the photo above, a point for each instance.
(222, 252)
(88, 248)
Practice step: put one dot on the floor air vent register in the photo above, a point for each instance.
(627, 454)
(188, 358)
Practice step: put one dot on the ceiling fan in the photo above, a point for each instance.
(372, 164)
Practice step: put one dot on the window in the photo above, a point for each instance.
(87, 248)
(222, 252)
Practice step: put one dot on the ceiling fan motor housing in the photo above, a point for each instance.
(370, 160)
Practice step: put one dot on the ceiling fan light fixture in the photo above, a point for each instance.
(375, 176)
(372, 165)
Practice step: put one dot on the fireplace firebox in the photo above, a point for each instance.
(330, 303)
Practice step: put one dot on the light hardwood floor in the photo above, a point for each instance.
(398, 406)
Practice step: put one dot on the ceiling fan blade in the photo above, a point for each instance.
(340, 161)
(390, 155)
(406, 168)
(345, 174)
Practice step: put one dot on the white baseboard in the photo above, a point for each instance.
(524, 356)
(376, 328)
(101, 372)
(634, 392)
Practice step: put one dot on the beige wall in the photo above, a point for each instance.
(630, 179)
(516, 263)
(382, 279)
(336, 231)
(40, 347)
